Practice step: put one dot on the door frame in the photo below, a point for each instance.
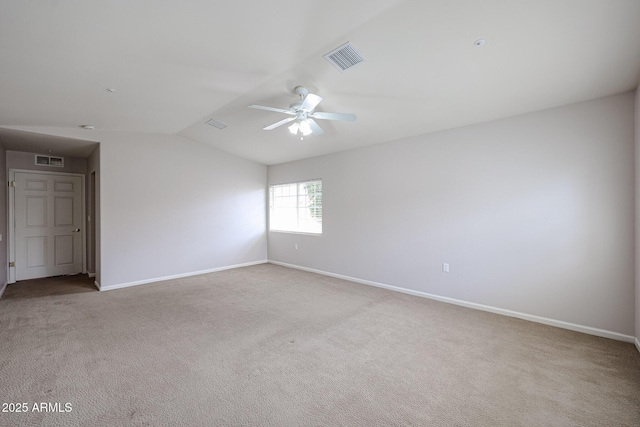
(11, 271)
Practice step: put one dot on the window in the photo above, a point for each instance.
(296, 207)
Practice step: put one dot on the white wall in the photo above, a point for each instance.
(4, 226)
(637, 198)
(24, 160)
(170, 206)
(533, 213)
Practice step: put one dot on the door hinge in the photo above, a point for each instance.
(12, 264)
(12, 183)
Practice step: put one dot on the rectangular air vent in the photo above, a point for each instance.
(216, 124)
(345, 57)
(49, 161)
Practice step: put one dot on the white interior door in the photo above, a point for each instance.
(48, 217)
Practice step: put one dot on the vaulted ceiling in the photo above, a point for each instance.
(173, 65)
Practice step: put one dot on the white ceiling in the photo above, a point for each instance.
(175, 64)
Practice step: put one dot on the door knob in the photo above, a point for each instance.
(77, 230)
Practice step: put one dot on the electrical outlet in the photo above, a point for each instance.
(295, 246)
(445, 267)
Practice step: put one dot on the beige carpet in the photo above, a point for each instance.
(271, 346)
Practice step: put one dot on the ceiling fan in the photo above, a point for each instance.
(303, 114)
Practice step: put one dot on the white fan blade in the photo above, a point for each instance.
(277, 110)
(315, 129)
(333, 116)
(280, 123)
(310, 102)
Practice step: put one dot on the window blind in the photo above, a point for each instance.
(296, 207)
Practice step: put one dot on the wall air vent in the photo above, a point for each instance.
(216, 124)
(41, 160)
(345, 57)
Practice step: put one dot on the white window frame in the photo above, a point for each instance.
(287, 203)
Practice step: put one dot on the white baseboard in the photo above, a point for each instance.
(2, 289)
(96, 284)
(91, 274)
(176, 276)
(546, 321)
(637, 344)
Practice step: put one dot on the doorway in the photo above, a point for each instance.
(46, 224)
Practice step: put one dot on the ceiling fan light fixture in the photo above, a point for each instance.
(294, 128)
(305, 129)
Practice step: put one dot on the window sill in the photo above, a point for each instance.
(295, 232)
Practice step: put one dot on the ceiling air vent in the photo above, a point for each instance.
(344, 57)
(216, 124)
(49, 161)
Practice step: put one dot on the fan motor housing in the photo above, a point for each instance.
(301, 91)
